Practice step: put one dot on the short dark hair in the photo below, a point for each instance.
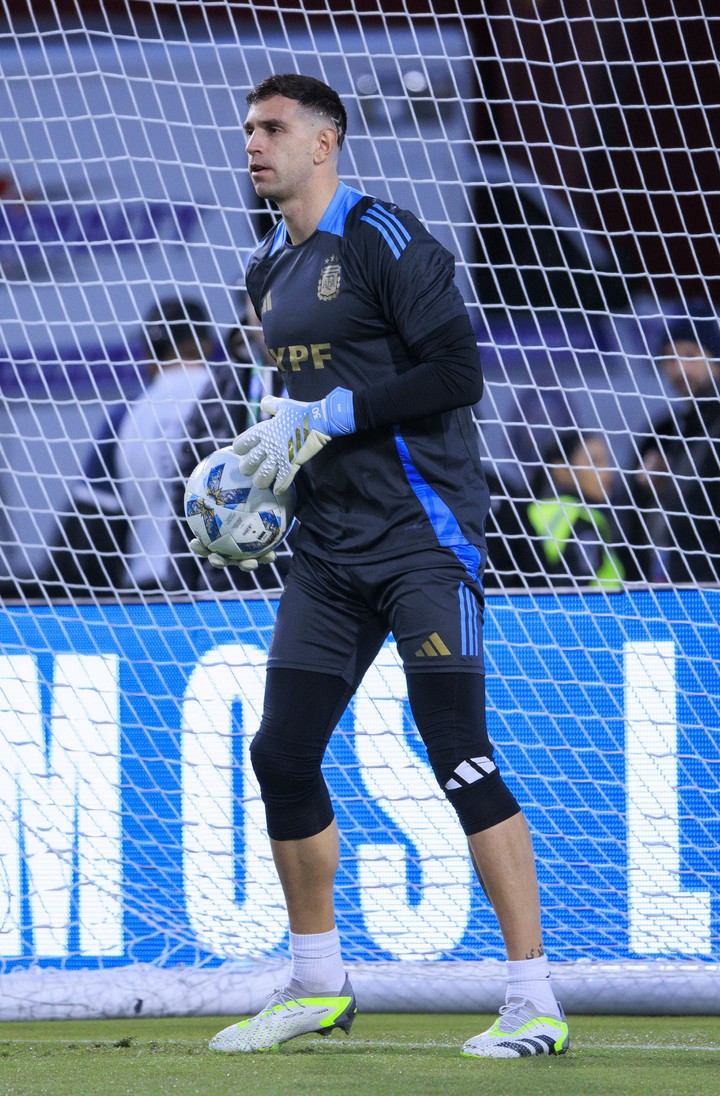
(561, 450)
(704, 331)
(174, 321)
(312, 94)
(566, 443)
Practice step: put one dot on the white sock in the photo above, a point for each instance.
(530, 978)
(317, 965)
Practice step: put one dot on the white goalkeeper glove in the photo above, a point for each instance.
(276, 448)
(250, 563)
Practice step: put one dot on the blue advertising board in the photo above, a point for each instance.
(131, 828)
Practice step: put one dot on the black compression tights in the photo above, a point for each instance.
(302, 708)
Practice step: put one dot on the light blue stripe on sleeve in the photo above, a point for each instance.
(383, 232)
(396, 226)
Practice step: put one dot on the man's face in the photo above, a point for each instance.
(593, 471)
(588, 471)
(282, 139)
(686, 366)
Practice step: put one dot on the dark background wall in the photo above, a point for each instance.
(623, 113)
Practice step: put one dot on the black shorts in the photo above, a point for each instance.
(334, 618)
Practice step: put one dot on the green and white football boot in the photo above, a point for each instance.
(519, 1032)
(288, 1014)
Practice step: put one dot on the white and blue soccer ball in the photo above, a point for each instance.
(228, 514)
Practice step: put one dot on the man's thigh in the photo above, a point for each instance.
(334, 618)
(324, 624)
(435, 613)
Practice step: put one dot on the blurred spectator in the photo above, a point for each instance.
(151, 434)
(188, 410)
(125, 529)
(229, 404)
(671, 512)
(86, 555)
(115, 537)
(565, 535)
(530, 418)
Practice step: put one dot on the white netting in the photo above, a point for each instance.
(564, 152)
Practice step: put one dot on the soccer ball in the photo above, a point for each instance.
(228, 514)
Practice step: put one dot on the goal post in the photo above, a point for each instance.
(135, 871)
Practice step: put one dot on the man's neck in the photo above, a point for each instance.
(303, 215)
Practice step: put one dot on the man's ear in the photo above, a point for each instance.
(325, 144)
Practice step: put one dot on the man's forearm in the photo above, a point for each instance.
(448, 375)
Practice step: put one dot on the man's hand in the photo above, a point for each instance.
(250, 563)
(276, 448)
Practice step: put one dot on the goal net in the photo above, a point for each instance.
(563, 153)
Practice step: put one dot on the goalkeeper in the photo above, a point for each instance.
(362, 316)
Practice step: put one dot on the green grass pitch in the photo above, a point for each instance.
(387, 1055)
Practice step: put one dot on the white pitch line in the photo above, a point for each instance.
(373, 1044)
(379, 1044)
(648, 1046)
(573, 1046)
